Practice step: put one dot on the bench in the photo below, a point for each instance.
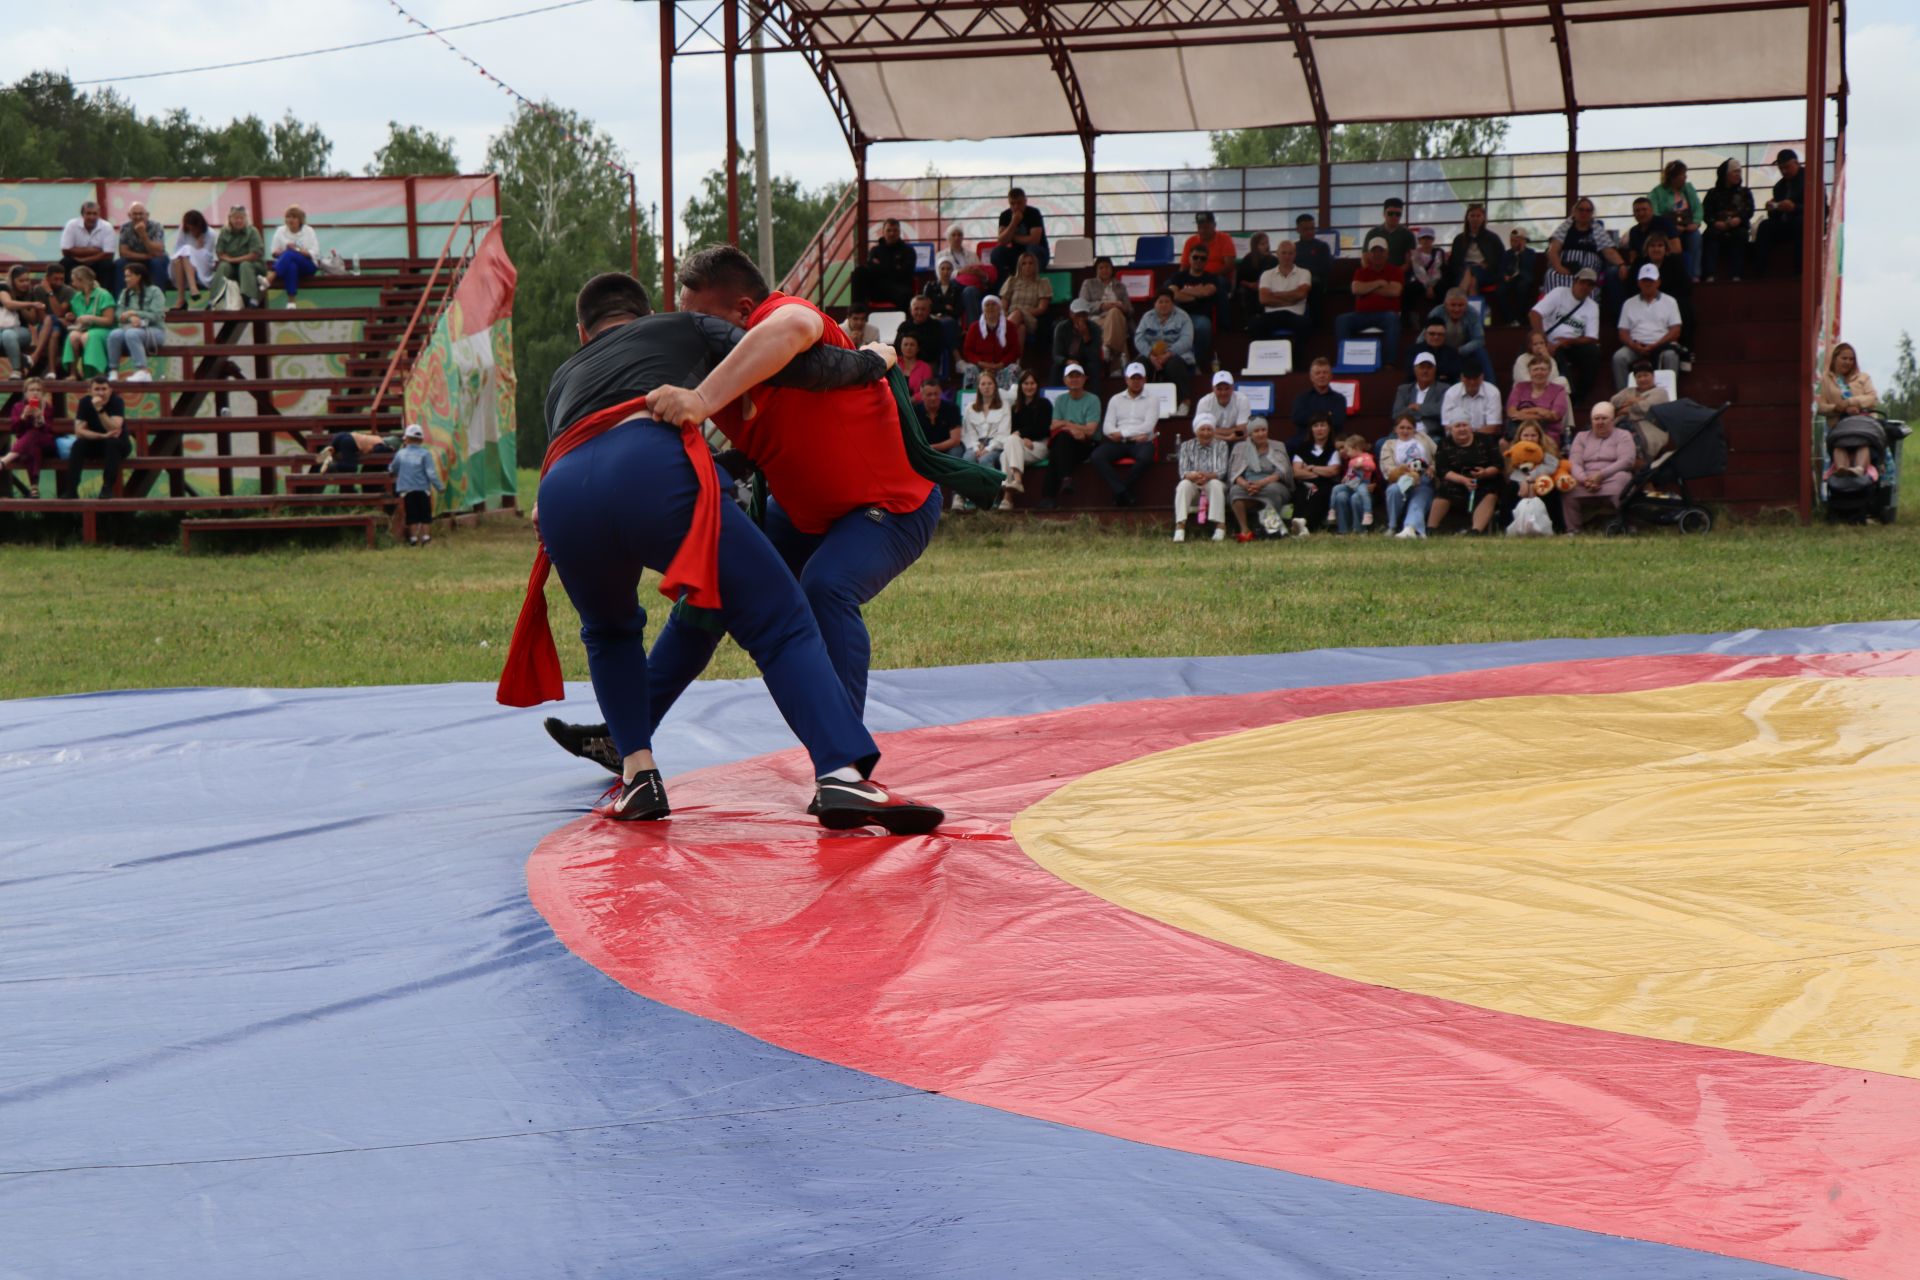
(304, 480)
(190, 527)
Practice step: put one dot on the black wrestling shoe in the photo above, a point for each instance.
(842, 806)
(642, 800)
(588, 741)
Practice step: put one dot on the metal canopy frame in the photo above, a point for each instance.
(835, 34)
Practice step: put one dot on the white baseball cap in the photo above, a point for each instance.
(1222, 379)
(1425, 357)
(1136, 370)
(415, 431)
(1073, 366)
(1080, 306)
(1649, 272)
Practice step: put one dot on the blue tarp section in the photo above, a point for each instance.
(275, 1004)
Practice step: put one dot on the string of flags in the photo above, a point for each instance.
(521, 98)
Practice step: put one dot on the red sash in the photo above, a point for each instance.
(532, 673)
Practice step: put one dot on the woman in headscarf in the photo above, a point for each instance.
(1728, 211)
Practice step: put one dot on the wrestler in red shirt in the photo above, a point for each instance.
(846, 509)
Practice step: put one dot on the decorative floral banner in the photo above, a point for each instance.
(461, 388)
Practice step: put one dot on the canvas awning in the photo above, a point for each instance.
(907, 70)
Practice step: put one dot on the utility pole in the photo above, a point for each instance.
(762, 183)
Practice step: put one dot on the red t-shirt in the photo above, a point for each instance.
(1219, 248)
(1378, 301)
(825, 453)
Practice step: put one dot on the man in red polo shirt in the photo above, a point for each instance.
(1218, 244)
(846, 510)
(1377, 288)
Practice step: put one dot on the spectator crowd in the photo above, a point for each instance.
(987, 321)
(102, 306)
(98, 315)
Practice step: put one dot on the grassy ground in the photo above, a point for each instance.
(989, 590)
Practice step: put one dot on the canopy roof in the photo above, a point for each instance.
(937, 70)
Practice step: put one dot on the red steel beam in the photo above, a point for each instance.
(1813, 243)
(668, 294)
(1564, 47)
(1310, 70)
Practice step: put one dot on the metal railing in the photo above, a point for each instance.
(346, 229)
(1525, 190)
(473, 228)
(833, 243)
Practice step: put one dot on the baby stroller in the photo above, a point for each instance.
(1696, 450)
(1856, 499)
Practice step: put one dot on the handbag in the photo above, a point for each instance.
(227, 298)
(1530, 519)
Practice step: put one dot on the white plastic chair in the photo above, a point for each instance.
(1071, 253)
(1269, 358)
(886, 323)
(1669, 380)
(1167, 394)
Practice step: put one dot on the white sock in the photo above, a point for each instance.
(845, 773)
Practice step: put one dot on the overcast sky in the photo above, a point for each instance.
(599, 58)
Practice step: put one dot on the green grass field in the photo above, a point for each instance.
(991, 589)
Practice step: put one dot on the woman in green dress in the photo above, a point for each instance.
(93, 319)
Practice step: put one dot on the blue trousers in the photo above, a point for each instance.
(290, 268)
(1413, 506)
(1350, 503)
(838, 571)
(619, 505)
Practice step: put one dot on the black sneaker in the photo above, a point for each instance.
(588, 741)
(641, 800)
(842, 806)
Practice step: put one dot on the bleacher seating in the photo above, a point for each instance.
(1153, 251)
(1745, 349)
(244, 356)
(1072, 253)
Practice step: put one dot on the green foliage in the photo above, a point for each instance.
(567, 220)
(1902, 398)
(326, 616)
(49, 129)
(411, 149)
(797, 214)
(1403, 139)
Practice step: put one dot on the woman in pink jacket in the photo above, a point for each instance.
(1602, 464)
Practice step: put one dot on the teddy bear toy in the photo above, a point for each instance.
(1526, 463)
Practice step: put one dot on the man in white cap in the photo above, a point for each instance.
(1076, 433)
(1203, 474)
(1075, 339)
(1569, 318)
(415, 477)
(1423, 396)
(1226, 410)
(1132, 417)
(1649, 326)
(1377, 289)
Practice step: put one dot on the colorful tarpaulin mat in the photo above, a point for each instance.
(1560, 959)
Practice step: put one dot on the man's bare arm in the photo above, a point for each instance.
(784, 348)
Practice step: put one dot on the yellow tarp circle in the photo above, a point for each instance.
(1733, 864)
